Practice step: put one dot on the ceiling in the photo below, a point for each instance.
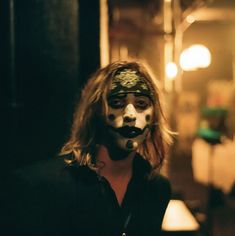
(216, 10)
(141, 14)
(133, 20)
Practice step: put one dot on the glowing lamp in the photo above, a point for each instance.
(178, 218)
(190, 19)
(195, 57)
(171, 70)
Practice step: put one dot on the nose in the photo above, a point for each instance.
(129, 113)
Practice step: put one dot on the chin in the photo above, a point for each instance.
(125, 144)
(128, 145)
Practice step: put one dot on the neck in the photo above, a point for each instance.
(112, 167)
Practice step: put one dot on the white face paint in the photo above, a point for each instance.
(129, 118)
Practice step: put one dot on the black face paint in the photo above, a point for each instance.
(111, 117)
(147, 118)
(129, 144)
(129, 131)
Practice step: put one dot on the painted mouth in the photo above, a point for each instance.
(128, 131)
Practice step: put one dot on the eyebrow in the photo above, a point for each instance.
(141, 95)
(124, 95)
(120, 95)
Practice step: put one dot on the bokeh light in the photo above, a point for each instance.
(195, 57)
(171, 70)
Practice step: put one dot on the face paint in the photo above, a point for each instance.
(111, 117)
(129, 119)
(130, 110)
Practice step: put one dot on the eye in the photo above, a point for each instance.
(142, 103)
(116, 103)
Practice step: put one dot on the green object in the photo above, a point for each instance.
(214, 111)
(210, 135)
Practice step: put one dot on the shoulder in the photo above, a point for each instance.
(160, 186)
(30, 191)
(156, 182)
(51, 174)
(159, 180)
(158, 194)
(43, 193)
(39, 176)
(45, 170)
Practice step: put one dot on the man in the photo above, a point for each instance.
(107, 180)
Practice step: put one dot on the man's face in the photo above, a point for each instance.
(128, 119)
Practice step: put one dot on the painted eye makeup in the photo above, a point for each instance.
(142, 103)
(116, 103)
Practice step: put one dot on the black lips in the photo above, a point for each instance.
(128, 131)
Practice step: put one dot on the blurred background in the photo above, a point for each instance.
(49, 48)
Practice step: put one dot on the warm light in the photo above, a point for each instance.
(190, 19)
(179, 218)
(104, 41)
(195, 57)
(171, 70)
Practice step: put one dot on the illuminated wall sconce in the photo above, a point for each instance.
(171, 70)
(195, 57)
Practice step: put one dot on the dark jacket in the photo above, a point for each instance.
(51, 198)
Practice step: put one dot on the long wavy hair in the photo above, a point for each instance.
(88, 125)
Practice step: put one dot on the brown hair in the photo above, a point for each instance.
(86, 127)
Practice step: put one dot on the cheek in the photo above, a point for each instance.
(145, 118)
(114, 118)
(111, 117)
(148, 118)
